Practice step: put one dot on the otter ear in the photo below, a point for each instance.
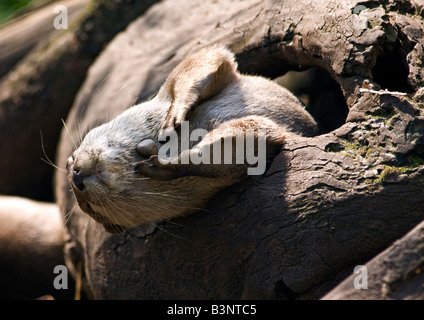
(197, 78)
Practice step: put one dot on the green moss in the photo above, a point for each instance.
(415, 160)
(386, 114)
(350, 146)
(365, 151)
(368, 152)
(386, 173)
(390, 171)
(334, 147)
(350, 149)
(390, 32)
(348, 154)
(373, 23)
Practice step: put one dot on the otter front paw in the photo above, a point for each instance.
(154, 169)
(173, 119)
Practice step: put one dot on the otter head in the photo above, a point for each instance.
(101, 170)
(103, 176)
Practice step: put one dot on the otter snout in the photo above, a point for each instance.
(84, 176)
(83, 170)
(78, 179)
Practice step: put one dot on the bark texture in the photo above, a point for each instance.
(22, 34)
(326, 204)
(39, 91)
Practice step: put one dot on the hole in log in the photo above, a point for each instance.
(391, 70)
(321, 95)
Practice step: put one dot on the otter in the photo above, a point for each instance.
(118, 175)
(32, 237)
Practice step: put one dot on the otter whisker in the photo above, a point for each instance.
(130, 203)
(158, 194)
(47, 160)
(134, 101)
(120, 210)
(109, 216)
(69, 214)
(170, 233)
(156, 225)
(125, 217)
(139, 179)
(80, 132)
(69, 134)
(104, 79)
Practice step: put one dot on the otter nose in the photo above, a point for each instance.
(78, 179)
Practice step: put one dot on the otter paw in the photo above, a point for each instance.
(154, 169)
(171, 122)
